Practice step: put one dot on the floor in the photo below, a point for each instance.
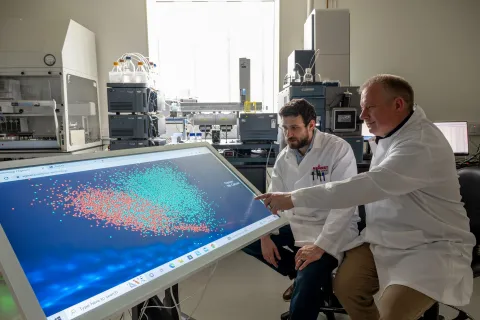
(241, 288)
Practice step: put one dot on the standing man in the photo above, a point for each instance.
(418, 244)
(311, 158)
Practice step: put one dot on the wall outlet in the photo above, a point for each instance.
(474, 128)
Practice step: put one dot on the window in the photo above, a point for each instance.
(197, 46)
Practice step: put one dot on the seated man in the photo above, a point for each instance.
(311, 158)
(417, 243)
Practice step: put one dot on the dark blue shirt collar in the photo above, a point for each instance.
(377, 138)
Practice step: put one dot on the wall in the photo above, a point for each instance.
(437, 51)
(119, 25)
(434, 44)
(292, 15)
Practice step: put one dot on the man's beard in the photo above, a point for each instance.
(297, 144)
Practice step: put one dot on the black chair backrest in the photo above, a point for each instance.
(469, 178)
(362, 223)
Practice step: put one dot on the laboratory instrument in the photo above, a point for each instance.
(258, 127)
(137, 113)
(327, 32)
(298, 61)
(337, 108)
(48, 88)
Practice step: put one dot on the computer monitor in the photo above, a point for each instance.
(87, 236)
(457, 135)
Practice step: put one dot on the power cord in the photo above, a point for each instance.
(142, 313)
(204, 290)
(177, 305)
(474, 159)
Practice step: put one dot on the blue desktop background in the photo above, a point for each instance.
(79, 234)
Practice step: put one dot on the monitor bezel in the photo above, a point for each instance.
(458, 154)
(22, 292)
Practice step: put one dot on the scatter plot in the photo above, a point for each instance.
(151, 199)
(81, 233)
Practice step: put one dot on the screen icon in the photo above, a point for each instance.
(198, 253)
(189, 257)
(172, 265)
(205, 249)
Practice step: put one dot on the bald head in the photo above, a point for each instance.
(394, 87)
(386, 101)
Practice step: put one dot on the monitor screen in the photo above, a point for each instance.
(87, 232)
(456, 134)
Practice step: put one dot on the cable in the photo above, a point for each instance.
(143, 311)
(474, 144)
(268, 158)
(138, 57)
(317, 53)
(204, 289)
(175, 303)
(469, 160)
(266, 166)
(311, 59)
(298, 64)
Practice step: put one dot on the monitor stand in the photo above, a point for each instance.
(159, 313)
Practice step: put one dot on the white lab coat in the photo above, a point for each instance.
(417, 227)
(337, 160)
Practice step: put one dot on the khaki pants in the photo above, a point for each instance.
(357, 281)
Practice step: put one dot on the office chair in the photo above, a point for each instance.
(469, 178)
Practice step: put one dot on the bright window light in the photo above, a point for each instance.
(198, 46)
